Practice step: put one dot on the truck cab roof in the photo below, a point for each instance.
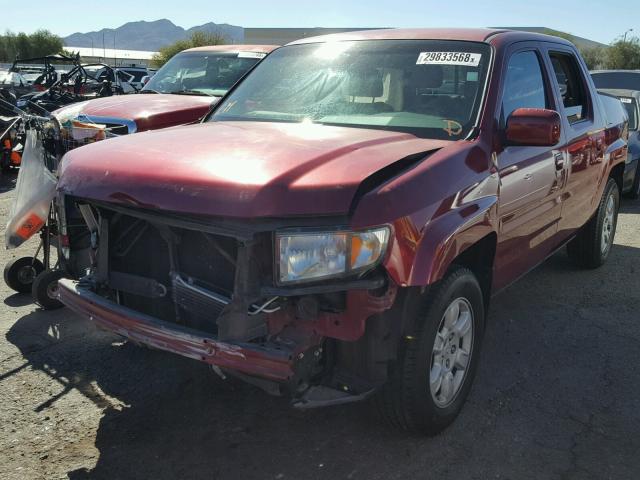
(234, 48)
(486, 35)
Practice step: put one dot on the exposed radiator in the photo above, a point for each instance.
(201, 305)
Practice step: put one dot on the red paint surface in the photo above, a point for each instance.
(531, 126)
(150, 111)
(237, 169)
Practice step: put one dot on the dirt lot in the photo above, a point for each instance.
(557, 396)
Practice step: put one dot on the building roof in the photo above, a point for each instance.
(110, 53)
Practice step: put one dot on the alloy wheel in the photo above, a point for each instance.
(608, 224)
(451, 355)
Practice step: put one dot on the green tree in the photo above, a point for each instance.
(624, 54)
(595, 58)
(197, 39)
(23, 45)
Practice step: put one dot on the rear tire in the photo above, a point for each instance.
(45, 289)
(430, 381)
(20, 273)
(634, 194)
(592, 245)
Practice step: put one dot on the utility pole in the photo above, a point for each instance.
(104, 50)
(115, 64)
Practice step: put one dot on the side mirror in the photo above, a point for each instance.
(535, 127)
(145, 79)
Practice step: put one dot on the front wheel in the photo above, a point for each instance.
(592, 245)
(432, 377)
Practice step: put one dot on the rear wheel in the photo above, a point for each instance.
(20, 273)
(432, 377)
(45, 289)
(592, 246)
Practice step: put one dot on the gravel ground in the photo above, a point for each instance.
(557, 396)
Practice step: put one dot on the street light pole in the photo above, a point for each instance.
(624, 39)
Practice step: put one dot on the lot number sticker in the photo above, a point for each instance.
(449, 58)
(251, 55)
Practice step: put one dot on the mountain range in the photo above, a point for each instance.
(149, 36)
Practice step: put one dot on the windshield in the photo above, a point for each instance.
(203, 73)
(619, 80)
(430, 88)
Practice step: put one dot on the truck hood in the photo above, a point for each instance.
(148, 111)
(237, 169)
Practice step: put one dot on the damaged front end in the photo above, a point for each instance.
(212, 289)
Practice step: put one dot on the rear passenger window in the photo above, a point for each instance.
(571, 86)
(524, 85)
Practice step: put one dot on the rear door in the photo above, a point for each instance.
(530, 182)
(584, 135)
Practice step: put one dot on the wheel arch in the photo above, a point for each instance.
(465, 237)
(617, 173)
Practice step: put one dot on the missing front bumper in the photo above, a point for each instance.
(276, 364)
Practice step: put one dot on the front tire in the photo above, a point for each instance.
(432, 377)
(592, 245)
(634, 194)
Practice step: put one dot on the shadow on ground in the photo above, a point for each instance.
(556, 396)
(8, 180)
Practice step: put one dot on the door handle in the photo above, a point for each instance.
(559, 159)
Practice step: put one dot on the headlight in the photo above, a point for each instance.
(309, 256)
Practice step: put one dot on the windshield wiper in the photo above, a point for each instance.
(190, 92)
(148, 90)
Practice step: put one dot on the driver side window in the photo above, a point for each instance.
(524, 85)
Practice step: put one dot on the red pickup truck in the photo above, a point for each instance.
(336, 228)
(183, 91)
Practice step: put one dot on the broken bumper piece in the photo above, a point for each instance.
(250, 359)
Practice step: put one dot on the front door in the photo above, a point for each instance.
(531, 178)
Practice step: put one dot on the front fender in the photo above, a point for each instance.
(420, 260)
(438, 209)
(449, 236)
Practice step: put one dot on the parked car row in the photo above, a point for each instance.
(182, 91)
(336, 225)
(625, 85)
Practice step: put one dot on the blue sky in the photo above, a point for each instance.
(598, 20)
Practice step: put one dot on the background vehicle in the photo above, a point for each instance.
(130, 80)
(618, 79)
(15, 83)
(41, 72)
(136, 73)
(80, 83)
(630, 100)
(182, 91)
(337, 226)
